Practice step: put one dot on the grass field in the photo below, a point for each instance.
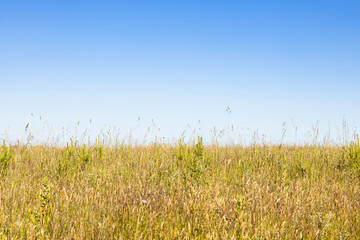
(183, 191)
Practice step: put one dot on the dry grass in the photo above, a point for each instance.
(180, 192)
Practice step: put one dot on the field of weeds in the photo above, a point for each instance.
(184, 191)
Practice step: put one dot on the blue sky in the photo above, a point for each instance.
(179, 62)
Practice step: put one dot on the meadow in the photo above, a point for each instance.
(188, 190)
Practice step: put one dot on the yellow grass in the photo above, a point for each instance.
(180, 192)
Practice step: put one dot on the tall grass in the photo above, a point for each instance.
(182, 191)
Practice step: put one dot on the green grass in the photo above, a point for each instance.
(184, 191)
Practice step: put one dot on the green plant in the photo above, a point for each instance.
(45, 197)
(199, 148)
(99, 147)
(239, 207)
(354, 155)
(181, 149)
(41, 218)
(5, 159)
(300, 167)
(85, 156)
(195, 162)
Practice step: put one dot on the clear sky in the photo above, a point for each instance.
(179, 62)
